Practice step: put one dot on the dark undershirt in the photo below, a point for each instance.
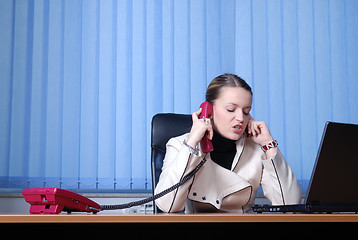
(224, 151)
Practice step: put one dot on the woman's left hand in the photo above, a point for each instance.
(259, 132)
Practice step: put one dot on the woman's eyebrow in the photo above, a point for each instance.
(230, 103)
(234, 104)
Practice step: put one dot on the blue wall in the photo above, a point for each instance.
(81, 80)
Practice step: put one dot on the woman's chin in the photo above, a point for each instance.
(233, 136)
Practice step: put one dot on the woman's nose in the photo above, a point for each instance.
(239, 116)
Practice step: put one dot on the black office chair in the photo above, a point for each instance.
(164, 127)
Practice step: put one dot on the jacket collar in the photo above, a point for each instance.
(240, 145)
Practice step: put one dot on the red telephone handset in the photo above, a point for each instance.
(207, 112)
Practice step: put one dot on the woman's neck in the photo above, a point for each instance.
(222, 144)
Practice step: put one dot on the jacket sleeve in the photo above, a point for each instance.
(178, 162)
(279, 183)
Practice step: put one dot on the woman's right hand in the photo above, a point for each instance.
(199, 129)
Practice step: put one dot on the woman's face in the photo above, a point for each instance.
(231, 112)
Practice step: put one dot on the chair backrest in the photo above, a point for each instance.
(164, 127)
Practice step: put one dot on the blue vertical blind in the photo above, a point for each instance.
(81, 80)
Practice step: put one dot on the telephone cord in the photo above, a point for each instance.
(156, 196)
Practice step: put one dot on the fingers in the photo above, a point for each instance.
(249, 127)
(254, 127)
(195, 115)
(199, 129)
(210, 129)
(259, 132)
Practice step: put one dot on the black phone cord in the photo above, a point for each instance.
(156, 196)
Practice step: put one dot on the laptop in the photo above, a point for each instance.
(333, 185)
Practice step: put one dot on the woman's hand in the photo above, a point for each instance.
(199, 129)
(259, 132)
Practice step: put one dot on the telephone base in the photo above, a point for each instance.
(56, 200)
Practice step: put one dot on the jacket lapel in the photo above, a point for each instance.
(240, 145)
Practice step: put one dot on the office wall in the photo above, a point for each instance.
(81, 80)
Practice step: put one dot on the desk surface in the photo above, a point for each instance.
(177, 218)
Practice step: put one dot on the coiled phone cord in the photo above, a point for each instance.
(156, 196)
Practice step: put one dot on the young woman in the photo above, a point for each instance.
(245, 156)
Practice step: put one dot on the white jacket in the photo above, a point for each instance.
(216, 189)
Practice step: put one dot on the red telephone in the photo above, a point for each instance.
(55, 200)
(207, 112)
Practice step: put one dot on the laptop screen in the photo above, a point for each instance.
(334, 178)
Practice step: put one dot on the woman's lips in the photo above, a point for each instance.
(237, 128)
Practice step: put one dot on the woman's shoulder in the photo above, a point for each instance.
(178, 140)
